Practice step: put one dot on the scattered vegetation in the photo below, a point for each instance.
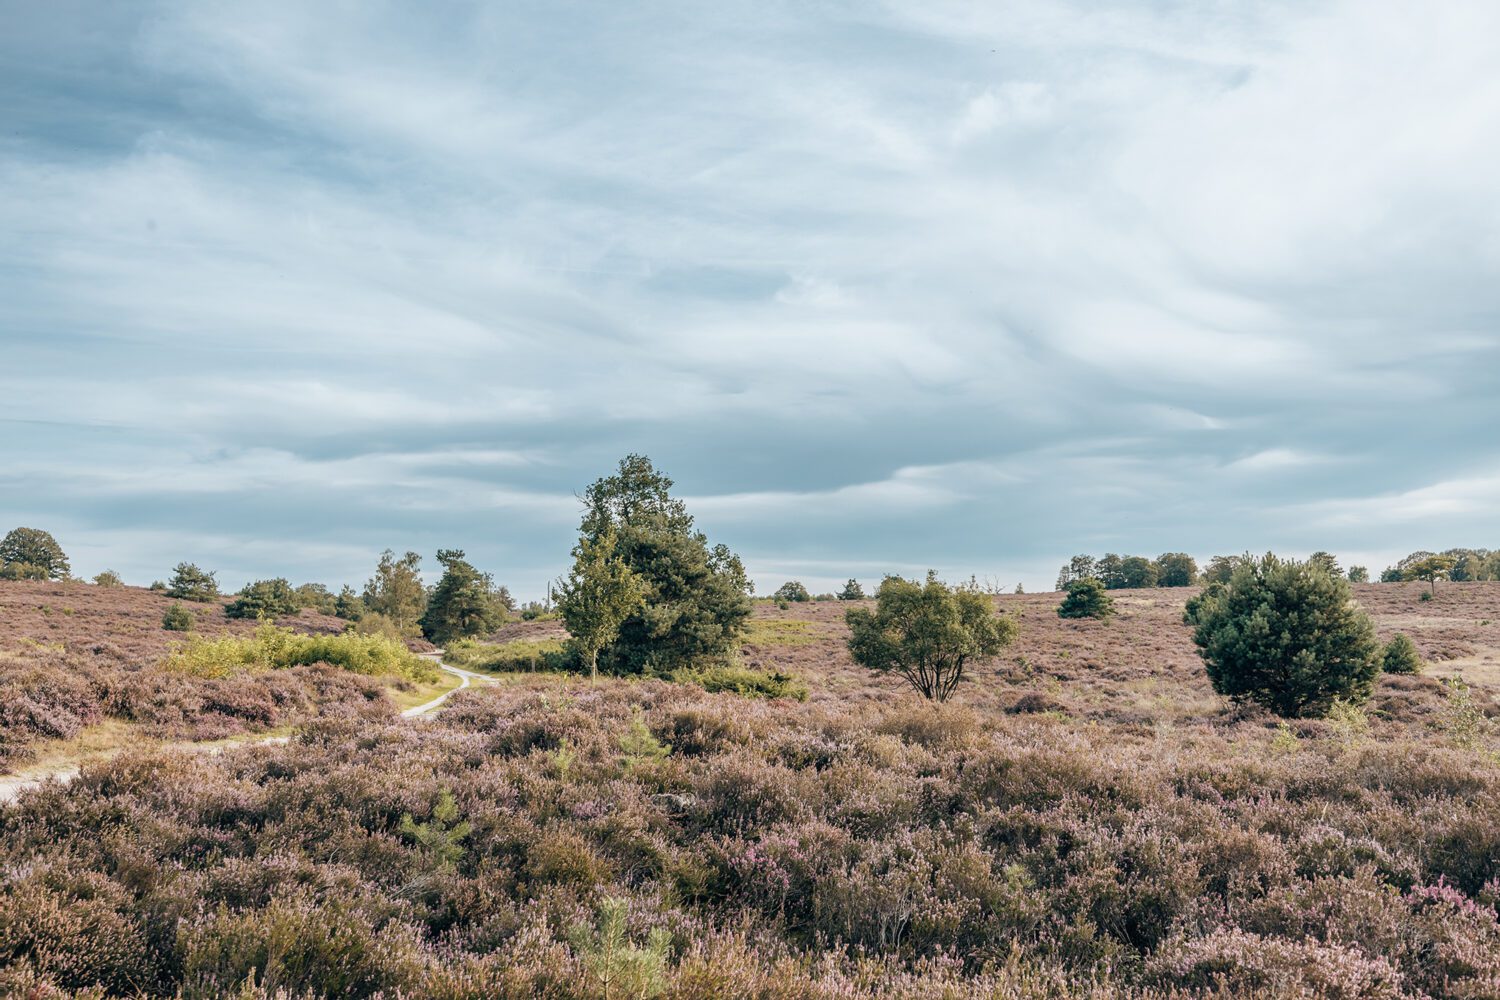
(517, 655)
(108, 578)
(276, 648)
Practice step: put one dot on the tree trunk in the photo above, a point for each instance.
(594, 666)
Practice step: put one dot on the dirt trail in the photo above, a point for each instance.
(12, 785)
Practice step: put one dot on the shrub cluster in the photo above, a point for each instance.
(278, 648)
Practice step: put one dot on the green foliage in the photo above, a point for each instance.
(1086, 598)
(1080, 567)
(514, 656)
(619, 968)
(745, 681)
(348, 605)
(1463, 720)
(598, 595)
(1390, 574)
(1425, 596)
(443, 835)
(35, 553)
(317, 597)
(926, 633)
(639, 746)
(109, 578)
(1176, 569)
(1401, 656)
(1220, 569)
(1327, 561)
(1359, 574)
(177, 619)
(157, 585)
(792, 591)
(852, 591)
(696, 597)
(23, 571)
(396, 590)
(272, 648)
(463, 604)
(1137, 572)
(1431, 569)
(1288, 636)
(1193, 609)
(191, 583)
(264, 599)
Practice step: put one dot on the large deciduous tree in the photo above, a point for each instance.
(1288, 636)
(696, 596)
(927, 633)
(1176, 569)
(396, 590)
(32, 553)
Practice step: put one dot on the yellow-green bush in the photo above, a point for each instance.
(516, 655)
(272, 648)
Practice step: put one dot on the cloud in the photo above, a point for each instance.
(952, 285)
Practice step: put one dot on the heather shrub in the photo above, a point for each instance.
(1288, 636)
(1401, 656)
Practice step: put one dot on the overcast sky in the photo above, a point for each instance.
(964, 285)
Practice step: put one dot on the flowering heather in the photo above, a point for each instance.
(1085, 820)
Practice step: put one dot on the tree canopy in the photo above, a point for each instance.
(32, 553)
(598, 595)
(192, 583)
(396, 590)
(927, 633)
(1287, 635)
(463, 604)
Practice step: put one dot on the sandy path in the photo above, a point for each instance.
(12, 785)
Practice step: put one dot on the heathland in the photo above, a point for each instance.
(1085, 817)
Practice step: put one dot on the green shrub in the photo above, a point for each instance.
(109, 578)
(190, 583)
(272, 648)
(619, 967)
(1287, 635)
(745, 681)
(852, 591)
(792, 590)
(514, 656)
(22, 571)
(1401, 656)
(264, 599)
(1086, 599)
(177, 619)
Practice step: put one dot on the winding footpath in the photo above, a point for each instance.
(12, 785)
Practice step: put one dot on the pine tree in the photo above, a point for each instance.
(463, 604)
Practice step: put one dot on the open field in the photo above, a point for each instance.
(1086, 819)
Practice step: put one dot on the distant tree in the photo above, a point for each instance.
(396, 590)
(1111, 571)
(505, 600)
(1431, 569)
(792, 590)
(1468, 564)
(1288, 636)
(1137, 572)
(190, 583)
(348, 605)
(1412, 559)
(1086, 598)
(927, 633)
(1328, 561)
(1401, 656)
(697, 596)
(1020, 589)
(1080, 567)
(177, 619)
(109, 578)
(852, 591)
(1176, 569)
(316, 596)
(1391, 574)
(463, 603)
(1221, 568)
(157, 585)
(598, 596)
(264, 599)
(1359, 574)
(31, 553)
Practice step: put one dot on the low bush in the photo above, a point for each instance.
(745, 681)
(1401, 656)
(264, 599)
(1086, 598)
(278, 648)
(526, 655)
(177, 619)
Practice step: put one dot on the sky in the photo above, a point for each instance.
(882, 287)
